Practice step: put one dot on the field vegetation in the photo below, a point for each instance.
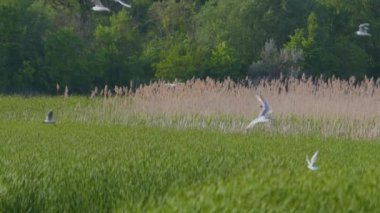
(173, 139)
(331, 107)
(184, 148)
(44, 42)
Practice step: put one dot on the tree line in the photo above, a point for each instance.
(45, 42)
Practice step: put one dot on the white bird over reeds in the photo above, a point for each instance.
(98, 6)
(311, 162)
(264, 114)
(49, 118)
(171, 85)
(363, 30)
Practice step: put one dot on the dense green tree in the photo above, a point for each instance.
(181, 60)
(44, 42)
(176, 54)
(223, 62)
(21, 47)
(116, 51)
(329, 51)
(170, 17)
(275, 62)
(9, 44)
(65, 61)
(245, 25)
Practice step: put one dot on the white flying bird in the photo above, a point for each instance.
(310, 163)
(123, 3)
(263, 116)
(363, 30)
(99, 6)
(49, 118)
(171, 85)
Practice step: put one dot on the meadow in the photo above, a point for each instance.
(183, 148)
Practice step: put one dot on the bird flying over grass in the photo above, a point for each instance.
(311, 162)
(264, 114)
(49, 118)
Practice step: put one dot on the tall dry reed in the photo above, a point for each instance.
(330, 107)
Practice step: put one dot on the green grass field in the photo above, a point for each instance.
(81, 165)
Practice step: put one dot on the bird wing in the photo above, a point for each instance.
(266, 109)
(260, 99)
(253, 123)
(50, 115)
(265, 106)
(307, 160)
(364, 27)
(123, 3)
(314, 158)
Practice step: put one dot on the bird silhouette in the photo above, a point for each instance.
(264, 114)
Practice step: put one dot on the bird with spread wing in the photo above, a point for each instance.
(264, 114)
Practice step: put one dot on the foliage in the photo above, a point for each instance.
(65, 61)
(181, 59)
(328, 107)
(181, 39)
(223, 62)
(275, 63)
(21, 48)
(116, 48)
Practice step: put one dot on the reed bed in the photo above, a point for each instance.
(101, 157)
(331, 107)
(332, 98)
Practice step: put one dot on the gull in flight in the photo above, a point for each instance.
(363, 30)
(99, 6)
(49, 118)
(310, 163)
(171, 85)
(263, 116)
(123, 3)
